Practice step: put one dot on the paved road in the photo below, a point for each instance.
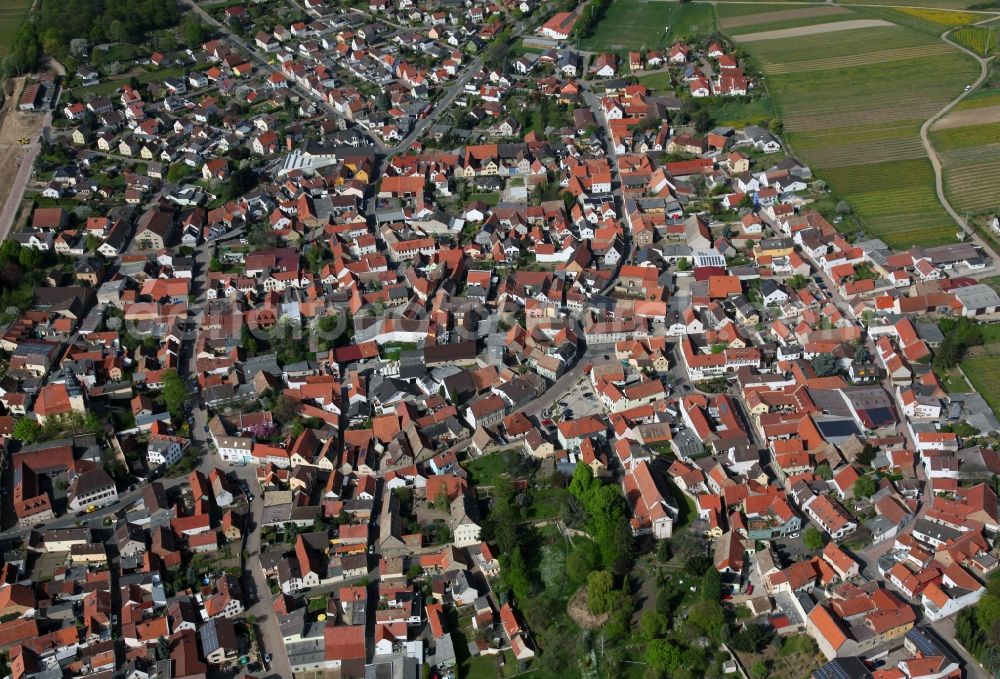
(440, 106)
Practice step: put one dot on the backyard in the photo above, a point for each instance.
(984, 373)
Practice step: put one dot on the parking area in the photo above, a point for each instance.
(790, 549)
(578, 402)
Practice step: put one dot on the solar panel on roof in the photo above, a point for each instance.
(837, 428)
(880, 416)
(842, 668)
(922, 642)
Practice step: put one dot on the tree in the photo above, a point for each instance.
(240, 182)
(194, 31)
(663, 655)
(823, 471)
(174, 392)
(866, 455)
(825, 365)
(751, 639)
(702, 121)
(861, 354)
(708, 618)
(27, 431)
(843, 208)
(813, 538)
(988, 611)
(248, 341)
(759, 670)
(9, 251)
(600, 590)
(865, 487)
(665, 601)
(711, 585)
(797, 282)
(652, 625)
(683, 264)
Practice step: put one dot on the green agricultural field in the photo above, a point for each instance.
(945, 4)
(972, 177)
(982, 41)
(12, 14)
(852, 103)
(979, 99)
(629, 24)
(984, 373)
(965, 137)
(728, 10)
(737, 31)
(970, 155)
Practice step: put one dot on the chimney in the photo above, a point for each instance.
(288, 142)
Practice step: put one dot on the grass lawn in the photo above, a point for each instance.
(656, 81)
(317, 605)
(491, 198)
(992, 281)
(737, 112)
(392, 350)
(111, 86)
(629, 24)
(485, 666)
(955, 383)
(984, 373)
(852, 103)
(483, 471)
(546, 503)
(686, 509)
(12, 14)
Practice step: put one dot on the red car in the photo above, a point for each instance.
(547, 422)
(749, 590)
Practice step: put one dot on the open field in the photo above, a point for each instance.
(942, 17)
(813, 22)
(984, 373)
(972, 177)
(968, 142)
(979, 99)
(966, 117)
(951, 138)
(732, 22)
(811, 29)
(640, 25)
(941, 4)
(852, 103)
(982, 41)
(12, 13)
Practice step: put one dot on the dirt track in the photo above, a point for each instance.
(818, 29)
(969, 116)
(781, 15)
